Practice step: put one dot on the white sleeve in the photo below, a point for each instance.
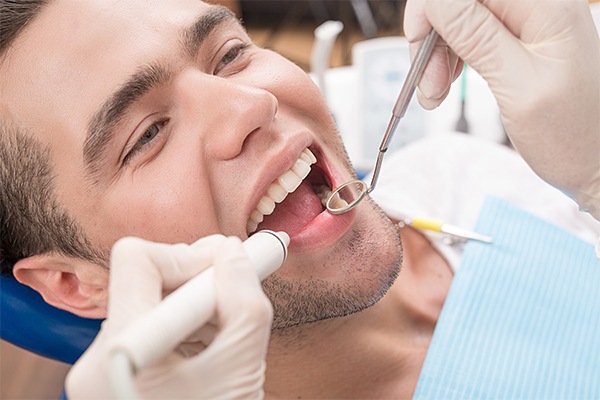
(448, 176)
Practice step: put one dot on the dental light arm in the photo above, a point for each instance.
(325, 35)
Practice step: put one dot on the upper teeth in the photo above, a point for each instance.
(278, 190)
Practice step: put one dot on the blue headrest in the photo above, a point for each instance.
(27, 321)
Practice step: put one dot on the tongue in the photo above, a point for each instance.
(295, 212)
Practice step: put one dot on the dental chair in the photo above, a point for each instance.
(27, 321)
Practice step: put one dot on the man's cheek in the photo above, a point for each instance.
(178, 213)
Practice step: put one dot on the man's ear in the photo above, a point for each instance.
(68, 283)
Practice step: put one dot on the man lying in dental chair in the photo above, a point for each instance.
(162, 120)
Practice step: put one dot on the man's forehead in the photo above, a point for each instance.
(122, 8)
(64, 26)
(75, 50)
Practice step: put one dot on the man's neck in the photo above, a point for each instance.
(377, 352)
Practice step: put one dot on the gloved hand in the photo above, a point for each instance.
(231, 366)
(542, 62)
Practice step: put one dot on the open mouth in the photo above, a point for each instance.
(294, 199)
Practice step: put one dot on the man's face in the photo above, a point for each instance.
(165, 122)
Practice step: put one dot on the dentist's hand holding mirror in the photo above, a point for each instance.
(542, 62)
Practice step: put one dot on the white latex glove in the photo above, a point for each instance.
(233, 364)
(541, 60)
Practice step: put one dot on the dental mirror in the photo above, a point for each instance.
(348, 195)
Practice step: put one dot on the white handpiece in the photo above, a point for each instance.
(189, 307)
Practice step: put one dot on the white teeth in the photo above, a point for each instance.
(265, 206)
(251, 226)
(301, 168)
(290, 181)
(278, 190)
(310, 157)
(337, 202)
(323, 192)
(257, 216)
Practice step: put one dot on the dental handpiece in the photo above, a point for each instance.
(182, 312)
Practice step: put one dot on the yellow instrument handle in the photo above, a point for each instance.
(428, 224)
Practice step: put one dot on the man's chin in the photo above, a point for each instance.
(364, 268)
(347, 306)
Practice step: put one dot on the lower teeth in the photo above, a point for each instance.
(324, 192)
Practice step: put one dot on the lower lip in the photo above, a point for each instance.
(323, 231)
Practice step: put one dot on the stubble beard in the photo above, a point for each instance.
(369, 265)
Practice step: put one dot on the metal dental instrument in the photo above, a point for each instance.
(455, 233)
(347, 196)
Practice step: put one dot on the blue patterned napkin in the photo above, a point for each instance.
(522, 318)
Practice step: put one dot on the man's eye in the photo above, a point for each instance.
(231, 56)
(149, 134)
(147, 137)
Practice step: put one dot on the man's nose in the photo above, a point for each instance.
(225, 111)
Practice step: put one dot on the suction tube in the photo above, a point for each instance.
(158, 332)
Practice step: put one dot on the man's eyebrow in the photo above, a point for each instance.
(193, 37)
(102, 125)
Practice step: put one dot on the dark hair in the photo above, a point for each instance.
(31, 219)
(14, 16)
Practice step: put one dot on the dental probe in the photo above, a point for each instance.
(347, 196)
(436, 225)
(158, 332)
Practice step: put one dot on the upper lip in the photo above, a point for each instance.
(278, 161)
